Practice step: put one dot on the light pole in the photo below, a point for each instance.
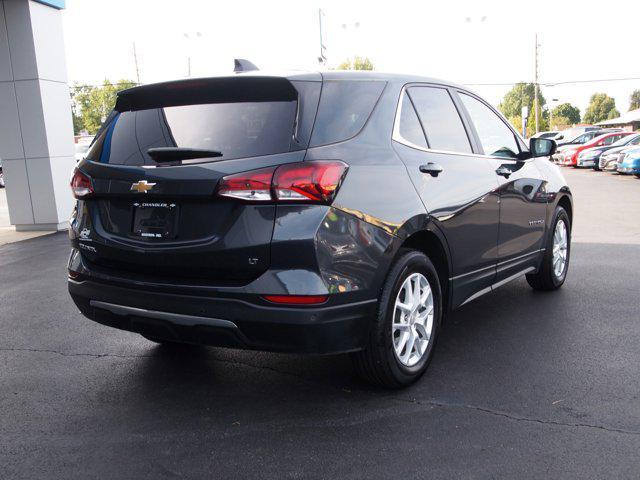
(188, 37)
(552, 102)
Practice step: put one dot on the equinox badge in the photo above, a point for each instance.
(142, 186)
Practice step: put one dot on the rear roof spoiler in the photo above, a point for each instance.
(233, 89)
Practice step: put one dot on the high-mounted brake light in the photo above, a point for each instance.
(297, 299)
(314, 181)
(81, 184)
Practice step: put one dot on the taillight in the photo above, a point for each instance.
(254, 185)
(81, 184)
(314, 181)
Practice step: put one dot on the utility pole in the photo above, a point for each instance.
(135, 60)
(322, 58)
(535, 85)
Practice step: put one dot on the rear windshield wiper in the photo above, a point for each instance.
(175, 154)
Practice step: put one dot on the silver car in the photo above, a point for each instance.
(609, 160)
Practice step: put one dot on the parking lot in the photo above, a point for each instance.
(523, 384)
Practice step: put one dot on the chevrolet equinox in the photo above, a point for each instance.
(313, 212)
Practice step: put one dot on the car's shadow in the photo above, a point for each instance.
(482, 333)
(513, 350)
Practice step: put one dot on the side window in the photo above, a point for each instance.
(409, 126)
(496, 138)
(611, 139)
(440, 119)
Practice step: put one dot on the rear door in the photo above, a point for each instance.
(462, 197)
(523, 200)
(162, 219)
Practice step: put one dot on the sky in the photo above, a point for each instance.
(467, 42)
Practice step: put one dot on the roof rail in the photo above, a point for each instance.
(242, 65)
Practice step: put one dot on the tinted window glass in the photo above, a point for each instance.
(344, 108)
(496, 138)
(237, 130)
(627, 139)
(409, 127)
(440, 119)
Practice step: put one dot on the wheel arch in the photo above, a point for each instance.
(566, 202)
(432, 243)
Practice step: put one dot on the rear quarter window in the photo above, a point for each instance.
(345, 106)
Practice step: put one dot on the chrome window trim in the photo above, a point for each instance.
(397, 137)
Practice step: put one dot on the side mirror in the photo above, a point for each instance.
(542, 147)
(559, 137)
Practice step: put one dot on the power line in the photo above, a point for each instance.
(553, 84)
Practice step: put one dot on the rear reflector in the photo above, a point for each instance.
(81, 184)
(296, 299)
(315, 181)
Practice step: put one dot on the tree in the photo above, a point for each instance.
(91, 105)
(522, 94)
(634, 100)
(569, 113)
(601, 107)
(357, 63)
(543, 121)
(561, 123)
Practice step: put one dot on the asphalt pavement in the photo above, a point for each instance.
(523, 384)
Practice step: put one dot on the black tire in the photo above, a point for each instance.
(546, 279)
(1, 180)
(378, 363)
(597, 168)
(637, 175)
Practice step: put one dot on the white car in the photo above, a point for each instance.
(81, 150)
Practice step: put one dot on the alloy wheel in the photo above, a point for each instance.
(412, 326)
(560, 251)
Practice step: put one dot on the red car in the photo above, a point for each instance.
(569, 156)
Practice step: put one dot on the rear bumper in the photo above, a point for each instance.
(226, 322)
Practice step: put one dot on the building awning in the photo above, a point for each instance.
(632, 116)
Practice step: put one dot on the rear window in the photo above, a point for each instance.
(345, 106)
(237, 130)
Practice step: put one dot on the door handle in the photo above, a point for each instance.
(432, 169)
(504, 171)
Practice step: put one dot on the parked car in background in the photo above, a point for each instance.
(1, 175)
(609, 160)
(550, 135)
(571, 134)
(591, 156)
(630, 163)
(569, 156)
(81, 149)
(581, 139)
(315, 212)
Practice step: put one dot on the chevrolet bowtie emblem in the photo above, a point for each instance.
(142, 186)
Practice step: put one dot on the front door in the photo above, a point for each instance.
(523, 200)
(457, 187)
